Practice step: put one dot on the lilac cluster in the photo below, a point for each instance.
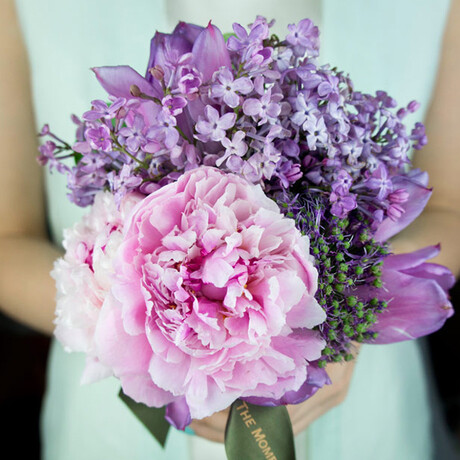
(252, 105)
(262, 108)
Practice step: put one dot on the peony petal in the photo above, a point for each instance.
(143, 390)
(306, 313)
(316, 379)
(124, 353)
(168, 375)
(204, 397)
(217, 271)
(94, 371)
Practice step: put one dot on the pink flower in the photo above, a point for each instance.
(213, 299)
(84, 276)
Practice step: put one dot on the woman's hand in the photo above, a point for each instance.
(213, 427)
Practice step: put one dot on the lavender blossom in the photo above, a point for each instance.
(212, 126)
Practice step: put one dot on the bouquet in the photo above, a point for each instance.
(241, 200)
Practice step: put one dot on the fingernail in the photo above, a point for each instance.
(189, 431)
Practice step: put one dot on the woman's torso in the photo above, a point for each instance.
(388, 45)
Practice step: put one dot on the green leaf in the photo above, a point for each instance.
(151, 417)
(228, 35)
(259, 432)
(77, 157)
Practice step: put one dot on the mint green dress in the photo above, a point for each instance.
(392, 45)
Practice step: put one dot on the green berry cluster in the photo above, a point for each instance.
(349, 262)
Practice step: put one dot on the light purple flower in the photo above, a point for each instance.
(352, 150)
(226, 87)
(329, 85)
(236, 146)
(343, 182)
(165, 130)
(132, 136)
(243, 40)
(257, 57)
(303, 37)
(46, 152)
(283, 59)
(212, 126)
(316, 132)
(99, 138)
(260, 166)
(263, 109)
(100, 109)
(93, 162)
(189, 81)
(342, 204)
(306, 112)
(174, 104)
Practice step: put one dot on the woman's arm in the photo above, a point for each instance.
(440, 222)
(26, 255)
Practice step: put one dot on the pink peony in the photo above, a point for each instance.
(84, 276)
(213, 299)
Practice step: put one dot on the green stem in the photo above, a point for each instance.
(182, 134)
(122, 149)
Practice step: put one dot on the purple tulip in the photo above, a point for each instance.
(416, 292)
(167, 49)
(178, 414)
(415, 184)
(210, 52)
(118, 80)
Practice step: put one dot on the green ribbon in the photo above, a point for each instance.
(151, 417)
(252, 432)
(259, 432)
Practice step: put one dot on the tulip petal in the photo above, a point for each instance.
(178, 413)
(413, 264)
(210, 52)
(117, 81)
(411, 259)
(419, 307)
(419, 195)
(161, 46)
(442, 275)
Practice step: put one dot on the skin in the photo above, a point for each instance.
(26, 289)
